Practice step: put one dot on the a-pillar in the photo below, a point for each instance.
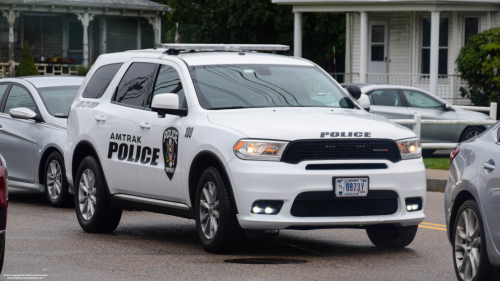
(363, 58)
(85, 18)
(434, 63)
(297, 35)
(11, 18)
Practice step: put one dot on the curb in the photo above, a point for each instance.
(436, 185)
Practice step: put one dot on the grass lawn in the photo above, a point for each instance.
(437, 163)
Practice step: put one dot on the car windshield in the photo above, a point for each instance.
(252, 86)
(58, 99)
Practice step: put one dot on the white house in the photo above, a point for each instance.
(404, 42)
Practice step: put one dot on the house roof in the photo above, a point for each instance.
(390, 5)
(145, 5)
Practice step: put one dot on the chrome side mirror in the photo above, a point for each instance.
(22, 113)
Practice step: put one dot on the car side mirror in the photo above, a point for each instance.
(22, 113)
(354, 90)
(167, 104)
(498, 135)
(364, 102)
(447, 107)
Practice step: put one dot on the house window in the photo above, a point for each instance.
(4, 30)
(471, 27)
(443, 46)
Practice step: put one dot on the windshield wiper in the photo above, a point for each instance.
(230, 107)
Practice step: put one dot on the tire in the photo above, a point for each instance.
(104, 219)
(56, 184)
(390, 236)
(470, 132)
(2, 250)
(228, 236)
(484, 271)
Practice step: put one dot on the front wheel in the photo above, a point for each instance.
(469, 253)
(216, 221)
(92, 206)
(389, 236)
(55, 181)
(471, 132)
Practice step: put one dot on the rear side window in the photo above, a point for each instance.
(136, 85)
(100, 81)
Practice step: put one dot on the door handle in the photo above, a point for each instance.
(490, 165)
(100, 118)
(145, 125)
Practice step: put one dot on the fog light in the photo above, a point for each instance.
(413, 204)
(266, 207)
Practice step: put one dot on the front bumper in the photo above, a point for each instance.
(261, 180)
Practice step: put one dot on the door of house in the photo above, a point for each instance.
(377, 57)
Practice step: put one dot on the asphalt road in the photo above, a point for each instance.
(48, 242)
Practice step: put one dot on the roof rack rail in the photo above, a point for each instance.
(176, 48)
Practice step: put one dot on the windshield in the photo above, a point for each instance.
(251, 86)
(58, 99)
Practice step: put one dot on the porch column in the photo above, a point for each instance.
(156, 23)
(434, 63)
(363, 58)
(139, 33)
(103, 34)
(297, 35)
(85, 18)
(11, 18)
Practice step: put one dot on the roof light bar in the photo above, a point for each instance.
(223, 47)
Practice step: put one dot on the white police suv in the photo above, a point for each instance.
(244, 142)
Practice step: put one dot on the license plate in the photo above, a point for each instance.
(345, 187)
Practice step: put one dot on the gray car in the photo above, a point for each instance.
(472, 205)
(402, 102)
(33, 117)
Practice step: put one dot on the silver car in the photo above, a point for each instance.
(472, 205)
(33, 116)
(402, 102)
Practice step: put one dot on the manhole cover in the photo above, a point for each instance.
(266, 261)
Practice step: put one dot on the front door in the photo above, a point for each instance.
(377, 57)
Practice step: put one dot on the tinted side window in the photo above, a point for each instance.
(419, 99)
(168, 81)
(100, 81)
(386, 97)
(136, 84)
(19, 97)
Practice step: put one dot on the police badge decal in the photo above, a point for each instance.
(170, 144)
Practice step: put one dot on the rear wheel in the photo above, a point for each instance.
(471, 132)
(55, 181)
(93, 210)
(390, 236)
(469, 253)
(216, 221)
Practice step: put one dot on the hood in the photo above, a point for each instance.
(470, 115)
(308, 123)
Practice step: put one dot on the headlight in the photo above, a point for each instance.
(410, 149)
(259, 150)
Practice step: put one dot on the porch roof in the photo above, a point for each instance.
(390, 5)
(121, 7)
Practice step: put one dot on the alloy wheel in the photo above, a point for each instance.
(472, 134)
(467, 245)
(209, 210)
(87, 194)
(54, 179)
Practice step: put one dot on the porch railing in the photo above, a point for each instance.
(44, 69)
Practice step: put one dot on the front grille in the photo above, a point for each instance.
(376, 149)
(325, 204)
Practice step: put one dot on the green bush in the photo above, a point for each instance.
(478, 63)
(83, 70)
(27, 65)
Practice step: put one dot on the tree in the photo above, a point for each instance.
(27, 65)
(478, 63)
(254, 22)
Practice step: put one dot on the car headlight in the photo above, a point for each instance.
(259, 150)
(410, 149)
